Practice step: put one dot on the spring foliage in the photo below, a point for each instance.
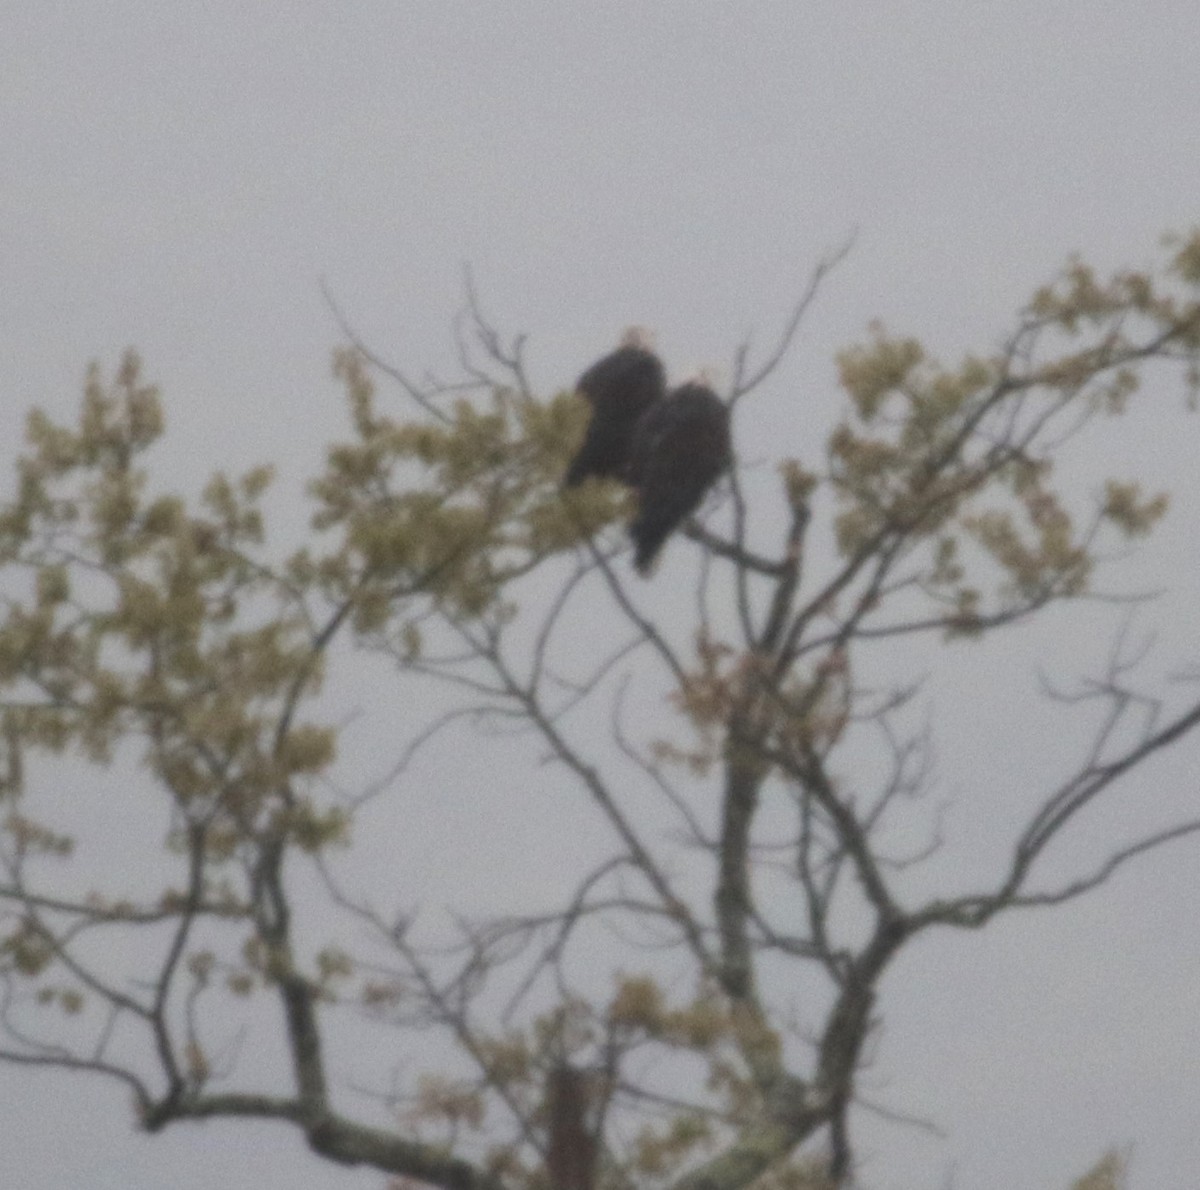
(172, 634)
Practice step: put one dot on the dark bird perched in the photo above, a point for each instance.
(620, 388)
(681, 446)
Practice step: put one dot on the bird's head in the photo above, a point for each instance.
(708, 376)
(638, 336)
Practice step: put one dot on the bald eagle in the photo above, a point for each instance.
(681, 446)
(620, 388)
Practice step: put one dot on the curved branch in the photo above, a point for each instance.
(337, 1138)
(415, 393)
(742, 384)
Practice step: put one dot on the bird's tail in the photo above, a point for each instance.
(649, 530)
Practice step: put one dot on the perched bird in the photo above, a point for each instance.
(620, 388)
(681, 445)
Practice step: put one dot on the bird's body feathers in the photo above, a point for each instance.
(681, 445)
(620, 388)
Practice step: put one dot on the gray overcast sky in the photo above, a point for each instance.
(179, 178)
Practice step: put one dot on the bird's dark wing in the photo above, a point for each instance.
(620, 388)
(680, 449)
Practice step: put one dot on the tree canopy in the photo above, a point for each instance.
(749, 783)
